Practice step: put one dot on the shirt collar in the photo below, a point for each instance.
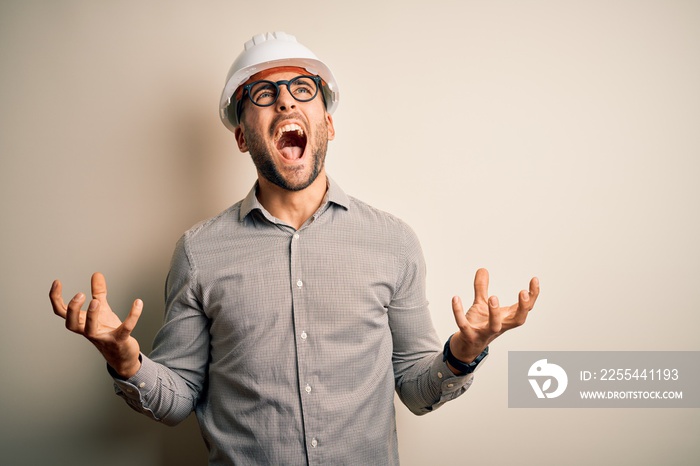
(334, 195)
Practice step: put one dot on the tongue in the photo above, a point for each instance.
(291, 152)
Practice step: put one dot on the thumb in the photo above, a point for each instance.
(130, 322)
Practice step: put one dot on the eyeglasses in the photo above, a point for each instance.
(265, 93)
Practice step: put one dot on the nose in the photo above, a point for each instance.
(285, 101)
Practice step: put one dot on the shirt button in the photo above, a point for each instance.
(142, 384)
(296, 236)
(450, 385)
(439, 375)
(300, 283)
(314, 442)
(308, 388)
(303, 335)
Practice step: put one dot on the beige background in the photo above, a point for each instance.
(549, 138)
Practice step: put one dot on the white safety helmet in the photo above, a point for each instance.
(270, 50)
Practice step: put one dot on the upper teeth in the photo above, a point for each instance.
(291, 127)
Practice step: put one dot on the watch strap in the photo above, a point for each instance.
(463, 367)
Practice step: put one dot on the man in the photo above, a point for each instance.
(293, 316)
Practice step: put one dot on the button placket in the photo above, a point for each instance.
(300, 316)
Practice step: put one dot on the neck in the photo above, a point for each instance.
(292, 207)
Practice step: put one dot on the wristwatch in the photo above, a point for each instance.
(463, 367)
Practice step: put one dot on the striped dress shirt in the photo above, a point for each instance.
(288, 344)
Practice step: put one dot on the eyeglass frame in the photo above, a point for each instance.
(246, 91)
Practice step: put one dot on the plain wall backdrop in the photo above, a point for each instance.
(549, 138)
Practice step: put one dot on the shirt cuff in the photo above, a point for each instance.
(136, 387)
(451, 386)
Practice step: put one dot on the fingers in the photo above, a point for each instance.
(92, 321)
(485, 329)
(534, 289)
(495, 315)
(458, 311)
(526, 299)
(92, 329)
(73, 313)
(481, 286)
(59, 307)
(99, 286)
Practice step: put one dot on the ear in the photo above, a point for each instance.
(331, 128)
(240, 139)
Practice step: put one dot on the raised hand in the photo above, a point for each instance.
(101, 326)
(485, 320)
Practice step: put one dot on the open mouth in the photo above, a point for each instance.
(291, 141)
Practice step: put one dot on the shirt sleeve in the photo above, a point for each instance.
(169, 382)
(423, 381)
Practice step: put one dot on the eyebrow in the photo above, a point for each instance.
(264, 85)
